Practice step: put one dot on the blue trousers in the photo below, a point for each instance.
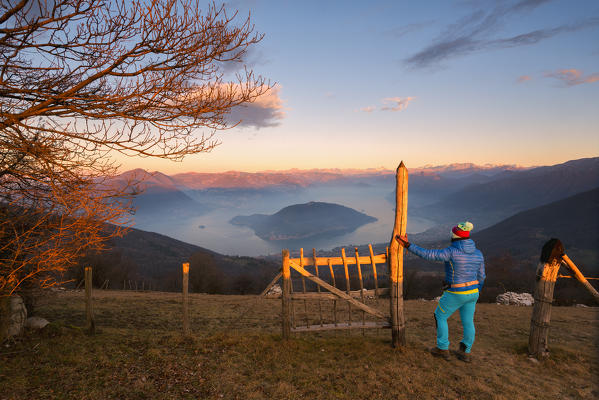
(448, 304)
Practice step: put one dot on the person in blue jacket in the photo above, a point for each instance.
(464, 277)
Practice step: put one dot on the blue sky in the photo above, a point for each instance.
(367, 84)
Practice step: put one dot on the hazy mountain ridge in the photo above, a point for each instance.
(574, 220)
(298, 177)
(490, 202)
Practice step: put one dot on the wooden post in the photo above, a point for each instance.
(551, 257)
(376, 282)
(398, 323)
(578, 275)
(317, 286)
(89, 312)
(359, 267)
(330, 262)
(304, 287)
(185, 298)
(286, 296)
(347, 284)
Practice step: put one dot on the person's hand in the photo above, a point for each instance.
(403, 239)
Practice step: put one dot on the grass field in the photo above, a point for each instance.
(236, 352)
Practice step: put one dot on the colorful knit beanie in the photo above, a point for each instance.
(462, 230)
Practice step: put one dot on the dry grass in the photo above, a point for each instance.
(236, 352)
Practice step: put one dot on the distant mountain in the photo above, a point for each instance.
(159, 195)
(458, 170)
(574, 220)
(303, 178)
(490, 202)
(302, 221)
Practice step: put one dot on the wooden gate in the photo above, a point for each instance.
(308, 268)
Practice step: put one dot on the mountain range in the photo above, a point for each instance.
(510, 192)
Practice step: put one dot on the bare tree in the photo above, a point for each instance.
(81, 80)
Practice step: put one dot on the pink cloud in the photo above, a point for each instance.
(523, 78)
(266, 110)
(396, 103)
(368, 109)
(573, 77)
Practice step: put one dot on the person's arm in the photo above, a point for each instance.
(427, 254)
(430, 254)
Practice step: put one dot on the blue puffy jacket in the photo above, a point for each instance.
(463, 263)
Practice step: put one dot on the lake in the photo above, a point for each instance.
(213, 230)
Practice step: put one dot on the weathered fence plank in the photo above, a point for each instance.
(317, 286)
(330, 262)
(580, 277)
(374, 274)
(379, 259)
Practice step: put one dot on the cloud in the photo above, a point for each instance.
(572, 77)
(396, 103)
(266, 111)
(368, 109)
(407, 29)
(252, 57)
(523, 78)
(475, 32)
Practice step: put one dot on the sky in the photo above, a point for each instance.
(368, 84)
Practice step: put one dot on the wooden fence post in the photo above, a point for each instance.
(185, 299)
(551, 257)
(398, 324)
(286, 296)
(89, 312)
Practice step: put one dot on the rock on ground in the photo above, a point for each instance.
(18, 315)
(518, 299)
(36, 323)
(275, 290)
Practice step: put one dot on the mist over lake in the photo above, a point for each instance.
(213, 230)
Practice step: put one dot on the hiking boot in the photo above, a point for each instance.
(437, 352)
(462, 355)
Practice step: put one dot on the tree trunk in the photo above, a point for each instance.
(4, 317)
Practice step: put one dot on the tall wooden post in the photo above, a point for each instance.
(286, 296)
(551, 257)
(398, 323)
(89, 312)
(185, 298)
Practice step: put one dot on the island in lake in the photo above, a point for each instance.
(303, 221)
